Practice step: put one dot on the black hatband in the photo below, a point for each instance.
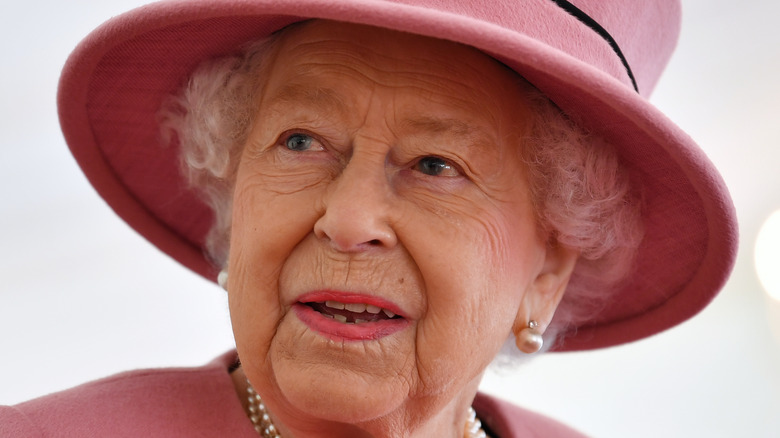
(591, 23)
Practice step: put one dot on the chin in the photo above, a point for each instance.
(338, 395)
(343, 381)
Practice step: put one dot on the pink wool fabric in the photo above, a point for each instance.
(196, 402)
(116, 79)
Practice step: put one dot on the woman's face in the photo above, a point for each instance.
(381, 184)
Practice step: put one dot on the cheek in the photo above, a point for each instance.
(480, 248)
(274, 207)
(475, 279)
(266, 228)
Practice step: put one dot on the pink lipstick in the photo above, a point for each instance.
(346, 316)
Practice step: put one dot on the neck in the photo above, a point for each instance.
(405, 422)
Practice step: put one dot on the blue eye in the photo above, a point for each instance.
(298, 142)
(436, 166)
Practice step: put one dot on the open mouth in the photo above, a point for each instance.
(345, 316)
(352, 313)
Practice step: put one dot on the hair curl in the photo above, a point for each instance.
(584, 199)
(210, 119)
(582, 196)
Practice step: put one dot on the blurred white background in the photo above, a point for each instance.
(82, 296)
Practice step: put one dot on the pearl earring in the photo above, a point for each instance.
(530, 340)
(222, 278)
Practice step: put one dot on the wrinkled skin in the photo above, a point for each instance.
(387, 165)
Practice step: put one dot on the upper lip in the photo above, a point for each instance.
(345, 297)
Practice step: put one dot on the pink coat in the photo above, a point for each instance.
(196, 402)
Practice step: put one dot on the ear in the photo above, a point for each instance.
(547, 289)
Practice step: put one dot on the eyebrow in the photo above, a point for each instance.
(474, 137)
(324, 98)
(439, 125)
(330, 100)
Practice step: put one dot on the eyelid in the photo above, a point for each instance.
(459, 173)
(285, 135)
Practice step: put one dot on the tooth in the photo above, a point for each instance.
(355, 307)
(334, 304)
(327, 316)
(340, 318)
(388, 313)
(359, 321)
(373, 309)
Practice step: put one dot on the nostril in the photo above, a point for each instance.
(375, 242)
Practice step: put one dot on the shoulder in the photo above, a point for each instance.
(509, 421)
(168, 402)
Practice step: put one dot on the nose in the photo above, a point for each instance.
(357, 210)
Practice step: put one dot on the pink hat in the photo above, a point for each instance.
(597, 61)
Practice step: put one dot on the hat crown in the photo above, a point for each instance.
(597, 32)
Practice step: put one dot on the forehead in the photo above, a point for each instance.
(316, 60)
(344, 42)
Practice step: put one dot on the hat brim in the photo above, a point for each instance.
(115, 81)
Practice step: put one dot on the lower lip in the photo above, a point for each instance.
(339, 331)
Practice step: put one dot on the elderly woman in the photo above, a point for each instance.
(389, 192)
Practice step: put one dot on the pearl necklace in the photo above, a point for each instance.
(258, 413)
(264, 426)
